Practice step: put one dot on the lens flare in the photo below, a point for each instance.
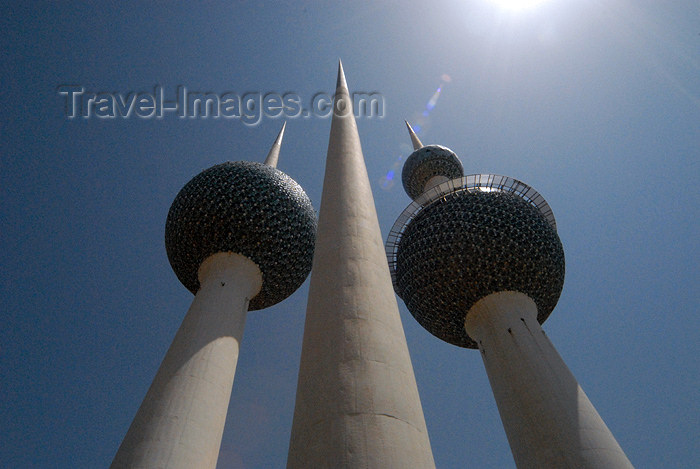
(418, 122)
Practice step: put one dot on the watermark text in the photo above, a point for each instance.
(250, 107)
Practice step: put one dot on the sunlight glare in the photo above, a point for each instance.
(516, 4)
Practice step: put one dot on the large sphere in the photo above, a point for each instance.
(246, 208)
(467, 245)
(426, 163)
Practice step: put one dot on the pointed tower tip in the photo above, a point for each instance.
(281, 134)
(414, 138)
(341, 77)
(274, 153)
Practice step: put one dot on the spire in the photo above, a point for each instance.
(357, 402)
(414, 138)
(340, 82)
(274, 154)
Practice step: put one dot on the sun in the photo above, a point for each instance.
(516, 4)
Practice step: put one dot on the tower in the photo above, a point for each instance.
(240, 236)
(479, 264)
(357, 402)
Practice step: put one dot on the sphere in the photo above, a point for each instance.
(469, 244)
(426, 163)
(246, 208)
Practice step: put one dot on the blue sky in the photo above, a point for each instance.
(596, 104)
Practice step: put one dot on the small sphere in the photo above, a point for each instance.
(246, 208)
(467, 245)
(426, 163)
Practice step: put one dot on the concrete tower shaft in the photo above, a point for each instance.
(357, 402)
(236, 233)
(549, 420)
(181, 420)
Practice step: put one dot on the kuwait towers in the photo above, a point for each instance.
(357, 403)
(240, 236)
(479, 264)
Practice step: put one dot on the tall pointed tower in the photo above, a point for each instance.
(239, 235)
(479, 264)
(357, 403)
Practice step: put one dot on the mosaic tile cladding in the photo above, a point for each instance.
(247, 208)
(426, 162)
(469, 244)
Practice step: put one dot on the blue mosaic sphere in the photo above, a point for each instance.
(426, 163)
(468, 244)
(246, 208)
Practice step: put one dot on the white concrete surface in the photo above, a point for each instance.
(357, 403)
(549, 421)
(181, 419)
